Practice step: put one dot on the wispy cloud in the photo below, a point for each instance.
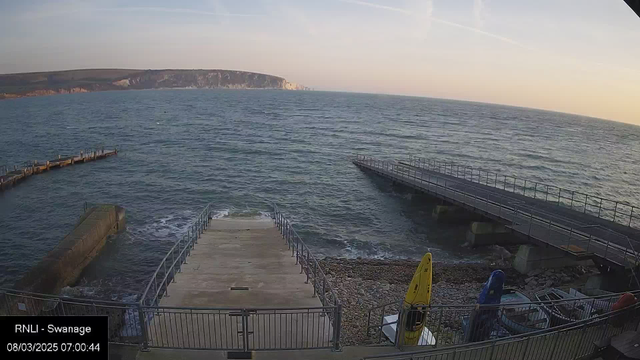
(479, 12)
(49, 14)
(437, 20)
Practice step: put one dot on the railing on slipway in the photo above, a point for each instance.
(149, 325)
(620, 212)
(172, 262)
(310, 267)
(576, 340)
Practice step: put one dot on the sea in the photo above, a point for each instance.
(242, 150)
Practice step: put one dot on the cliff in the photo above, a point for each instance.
(73, 81)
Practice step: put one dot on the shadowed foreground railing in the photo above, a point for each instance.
(460, 324)
(576, 340)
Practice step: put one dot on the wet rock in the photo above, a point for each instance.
(535, 272)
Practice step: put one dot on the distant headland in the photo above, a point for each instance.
(88, 80)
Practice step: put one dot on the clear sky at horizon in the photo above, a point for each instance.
(576, 56)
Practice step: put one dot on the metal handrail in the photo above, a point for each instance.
(482, 344)
(376, 315)
(493, 179)
(524, 303)
(310, 267)
(517, 212)
(184, 246)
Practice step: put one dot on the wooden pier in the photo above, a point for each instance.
(15, 176)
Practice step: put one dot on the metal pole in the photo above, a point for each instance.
(144, 341)
(584, 211)
(525, 188)
(572, 193)
(615, 211)
(630, 216)
(337, 324)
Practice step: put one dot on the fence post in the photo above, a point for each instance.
(144, 342)
(615, 210)
(630, 216)
(315, 275)
(337, 324)
(399, 340)
(245, 330)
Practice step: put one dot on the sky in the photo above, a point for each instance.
(575, 56)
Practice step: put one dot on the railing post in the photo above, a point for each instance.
(144, 341)
(399, 340)
(315, 275)
(306, 263)
(324, 294)
(337, 324)
(166, 286)
(615, 210)
(572, 193)
(630, 216)
(245, 330)
(586, 197)
(173, 269)
(525, 188)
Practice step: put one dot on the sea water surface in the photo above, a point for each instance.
(241, 149)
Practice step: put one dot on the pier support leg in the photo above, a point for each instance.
(530, 257)
(488, 233)
(453, 214)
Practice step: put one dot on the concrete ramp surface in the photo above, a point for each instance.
(240, 288)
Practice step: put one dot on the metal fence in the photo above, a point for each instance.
(557, 231)
(124, 318)
(172, 262)
(617, 211)
(450, 325)
(240, 329)
(310, 267)
(149, 325)
(578, 340)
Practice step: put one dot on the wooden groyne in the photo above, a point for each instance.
(9, 178)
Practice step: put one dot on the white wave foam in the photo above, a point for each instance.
(220, 214)
(241, 213)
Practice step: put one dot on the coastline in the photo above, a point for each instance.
(361, 284)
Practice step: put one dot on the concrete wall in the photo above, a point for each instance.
(63, 265)
(489, 233)
(453, 214)
(530, 257)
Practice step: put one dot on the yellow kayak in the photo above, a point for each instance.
(419, 293)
